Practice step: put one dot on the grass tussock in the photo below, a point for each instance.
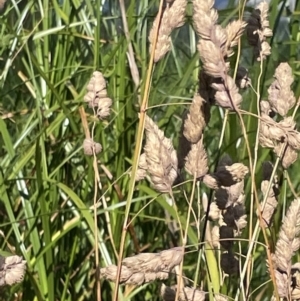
(149, 151)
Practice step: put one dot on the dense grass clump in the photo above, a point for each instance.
(149, 150)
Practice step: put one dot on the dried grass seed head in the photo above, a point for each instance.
(214, 211)
(288, 242)
(110, 273)
(142, 168)
(96, 95)
(218, 297)
(90, 147)
(171, 257)
(172, 17)
(160, 156)
(196, 161)
(196, 119)
(191, 294)
(211, 181)
(145, 267)
(212, 59)
(288, 157)
(12, 270)
(281, 97)
(185, 294)
(282, 282)
(215, 236)
(271, 201)
(230, 175)
(227, 93)
(258, 30)
(234, 31)
(265, 138)
(103, 109)
(205, 17)
(146, 262)
(227, 196)
(241, 224)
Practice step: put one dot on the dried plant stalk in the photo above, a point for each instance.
(161, 157)
(145, 267)
(12, 270)
(173, 17)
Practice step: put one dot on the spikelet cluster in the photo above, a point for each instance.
(196, 119)
(145, 267)
(258, 31)
(269, 207)
(159, 159)
(288, 243)
(90, 147)
(97, 98)
(215, 46)
(12, 270)
(192, 153)
(275, 134)
(228, 210)
(185, 294)
(172, 17)
(96, 95)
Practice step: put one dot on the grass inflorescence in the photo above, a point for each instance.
(149, 150)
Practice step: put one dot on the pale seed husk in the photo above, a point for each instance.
(12, 270)
(90, 147)
(196, 161)
(172, 17)
(161, 157)
(281, 97)
(195, 120)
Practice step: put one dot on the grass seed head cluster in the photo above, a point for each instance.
(162, 164)
(221, 218)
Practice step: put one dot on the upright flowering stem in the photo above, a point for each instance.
(137, 152)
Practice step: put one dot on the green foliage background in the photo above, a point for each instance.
(48, 52)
